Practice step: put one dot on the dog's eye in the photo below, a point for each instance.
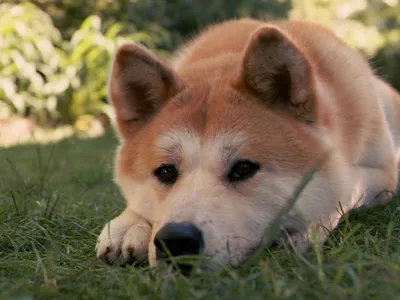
(242, 170)
(167, 174)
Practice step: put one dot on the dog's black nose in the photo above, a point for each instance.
(178, 239)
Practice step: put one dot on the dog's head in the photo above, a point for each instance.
(211, 160)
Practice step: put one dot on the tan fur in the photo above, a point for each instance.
(284, 94)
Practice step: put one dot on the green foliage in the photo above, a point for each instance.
(366, 25)
(180, 18)
(387, 64)
(52, 79)
(89, 53)
(372, 26)
(183, 18)
(30, 77)
(55, 55)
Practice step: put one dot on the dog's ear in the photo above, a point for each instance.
(276, 71)
(139, 86)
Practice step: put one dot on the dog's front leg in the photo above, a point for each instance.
(125, 239)
(373, 187)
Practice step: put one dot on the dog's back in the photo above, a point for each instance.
(343, 76)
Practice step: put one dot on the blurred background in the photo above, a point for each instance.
(55, 54)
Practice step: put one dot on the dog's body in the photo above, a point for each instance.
(221, 140)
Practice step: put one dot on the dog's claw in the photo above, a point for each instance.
(122, 245)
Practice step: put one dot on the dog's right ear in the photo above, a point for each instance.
(139, 86)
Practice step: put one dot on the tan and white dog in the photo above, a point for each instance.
(214, 145)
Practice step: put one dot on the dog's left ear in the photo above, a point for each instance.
(277, 72)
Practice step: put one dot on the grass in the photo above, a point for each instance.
(55, 199)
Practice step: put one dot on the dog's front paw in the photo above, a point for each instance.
(297, 240)
(124, 240)
(136, 242)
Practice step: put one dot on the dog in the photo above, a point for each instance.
(215, 141)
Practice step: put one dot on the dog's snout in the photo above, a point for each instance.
(178, 239)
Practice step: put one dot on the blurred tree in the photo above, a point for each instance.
(372, 26)
(30, 62)
(181, 18)
(385, 16)
(53, 80)
(54, 61)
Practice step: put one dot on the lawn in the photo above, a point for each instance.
(54, 200)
